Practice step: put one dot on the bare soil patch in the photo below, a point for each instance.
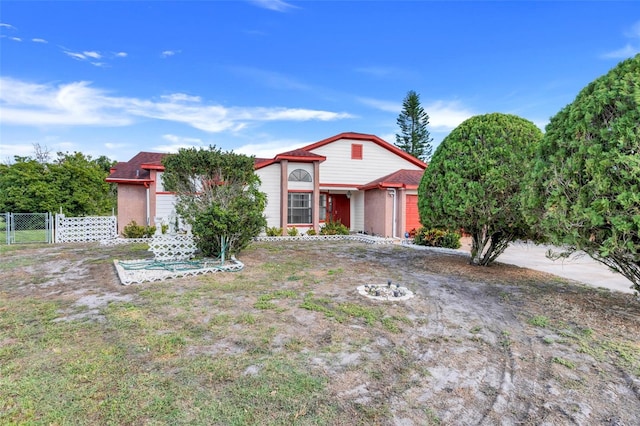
(475, 346)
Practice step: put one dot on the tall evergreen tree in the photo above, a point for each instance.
(414, 137)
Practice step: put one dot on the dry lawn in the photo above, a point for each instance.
(288, 340)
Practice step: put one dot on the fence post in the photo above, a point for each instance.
(50, 228)
(57, 228)
(10, 226)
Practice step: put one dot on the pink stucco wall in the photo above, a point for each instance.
(132, 201)
(378, 212)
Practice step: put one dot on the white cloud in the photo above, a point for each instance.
(275, 5)
(182, 139)
(625, 52)
(167, 53)
(271, 148)
(443, 115)
(92, 54)
(39, 40)
(77, 103)
(74, 55)
(115, 146)
(446, 115)
(387, 106)
(7, 26)
(177, 143)
(29, 104)
(631, 48)
(15, 38)
(181, 97)
(634, 31)
(295, 114)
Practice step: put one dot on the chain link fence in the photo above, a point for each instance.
(21, 228)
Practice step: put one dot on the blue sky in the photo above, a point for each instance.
(261, 77)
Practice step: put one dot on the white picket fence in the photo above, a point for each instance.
(84, 229)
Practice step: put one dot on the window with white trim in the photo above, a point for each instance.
(299, 208)
(299, 175)
(323, 207)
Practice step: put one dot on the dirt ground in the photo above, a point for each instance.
(481, 346)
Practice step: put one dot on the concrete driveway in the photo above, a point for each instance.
(578, 267)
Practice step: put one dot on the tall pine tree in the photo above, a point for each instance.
(414, 137)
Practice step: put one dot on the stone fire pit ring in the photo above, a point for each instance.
(388, 292)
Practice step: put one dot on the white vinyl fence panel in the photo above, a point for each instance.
(85, 229)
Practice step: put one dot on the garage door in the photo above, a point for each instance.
(413, 217)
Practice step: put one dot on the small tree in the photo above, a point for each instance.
(218, 194)
(585, 192)
(414, 137)
(474, 182)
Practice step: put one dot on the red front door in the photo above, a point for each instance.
(413, 215)
(339, 209)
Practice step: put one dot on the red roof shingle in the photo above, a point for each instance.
(137, 169)
(403, 178)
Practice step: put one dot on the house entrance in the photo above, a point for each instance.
(339, 209)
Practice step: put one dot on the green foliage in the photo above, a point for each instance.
(311, 232)
(539, 321)
(569, 364)
(73, 182)
(474, 182)
(414, 137)
(332, 227)
(273, 231)
(293, 232)
(218, 194)
(437, 238)
(585, 190)
(133, 230)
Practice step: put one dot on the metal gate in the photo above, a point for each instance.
(23, 228)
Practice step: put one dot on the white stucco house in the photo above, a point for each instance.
(366, 183)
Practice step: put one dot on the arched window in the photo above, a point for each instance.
(299, 175)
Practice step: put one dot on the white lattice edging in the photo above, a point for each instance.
(172, 246)
(353, 237)
(140, 271)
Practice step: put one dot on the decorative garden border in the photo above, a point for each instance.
(368, 239)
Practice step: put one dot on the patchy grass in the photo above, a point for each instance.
(288, 340)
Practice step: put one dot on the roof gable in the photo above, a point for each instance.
(371, 138)
(297, 155)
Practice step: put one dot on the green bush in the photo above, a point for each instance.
(311, 232)
(437, 238)
(273, 231)
(334, 228)
(133, 230)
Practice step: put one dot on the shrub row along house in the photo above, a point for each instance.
(360, 180)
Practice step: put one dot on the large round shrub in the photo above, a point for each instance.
(586, 181)
(475, 179)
